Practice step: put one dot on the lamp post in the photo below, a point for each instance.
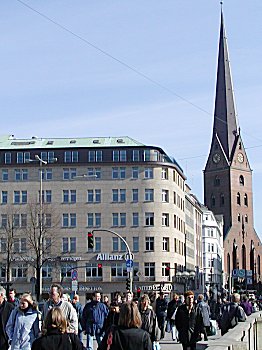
(185, 277)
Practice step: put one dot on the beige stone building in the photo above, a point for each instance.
(115, 184)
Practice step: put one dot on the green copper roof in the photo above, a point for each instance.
(10, 142)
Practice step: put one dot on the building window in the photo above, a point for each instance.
(150, 244)
(241, 180)
(3, 245)
(4, 197)
(147, 155)
(246, 218)
(69, 196)
(165, 244)
(69, 220)
(149, 174)
(69, 173)
(3, 220)
(135, 195)
(149, 195)
(97, 244)
(135, 221)
(69, 245)
(135, 244)
(92, 270)
(222, 200)
(164, 174)
(19, 271)
(4, 174)
(217, 181)
(115, 219)
(119, 155)
(118, 270)
(135, 155)
(21, 174)
(245, 200)
(47, 271)
(213, 200)
(19, 245)
(150, 269)
(118, 173)
(149, 219)
(165, 197)
(94, 196)
(238, 199)
(8, 158)
(48, 156)
(95, 156)
(20, 197)
(135, 172)
(71, 156)
(22, 157)
(94, 172)
(238, 217)
(67, 268)
(165, 269)
(165, 219)
(94, 220)
(118, 195)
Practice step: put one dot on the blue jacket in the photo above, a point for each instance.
(22, 328)
(94, 315)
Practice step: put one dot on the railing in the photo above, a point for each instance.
(245, 336)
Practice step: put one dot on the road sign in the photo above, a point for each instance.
(74, 285)
(74, 275)
(242, 273)
(139, 274)
(249, 280)
(249, 273)
(127, 257)
(235, 273)
(129, 263)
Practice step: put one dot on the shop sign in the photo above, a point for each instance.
(71, 258)
(167, 287)
(107, 256)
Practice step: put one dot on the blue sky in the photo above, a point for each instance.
(55, 84)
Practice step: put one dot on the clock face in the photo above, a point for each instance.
(216, 158)
(240, 157)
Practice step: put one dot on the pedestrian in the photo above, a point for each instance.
(232, 313)
(205, 312)
(171, 313)
(54, 335)
(12, 299)
(149, 320)
(246, 305)
(188, 322)
(23, 325)
(55, 299)
(161, 313)
(5, 312)
(79, 312)
(113, 315)
(106, 301)
(128, 335)
(93, 319)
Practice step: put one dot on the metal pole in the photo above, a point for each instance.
(130, 273)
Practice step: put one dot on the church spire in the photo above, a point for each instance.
(225, 120)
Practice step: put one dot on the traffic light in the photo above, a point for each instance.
(128, 284)
(138, 292)
(99, 267)
(90, 240)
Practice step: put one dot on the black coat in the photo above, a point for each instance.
(6, 311)
(55, 340)
(188, 324)
(127, 339)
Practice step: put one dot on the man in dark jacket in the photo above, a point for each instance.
(232, 313)
(161, 312)
(205, 312)
(171, 310)
(79, 311)
(149, 319)
(5, 311)
(188, 322)
(93, 318)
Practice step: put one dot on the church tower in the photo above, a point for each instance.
(228, 177)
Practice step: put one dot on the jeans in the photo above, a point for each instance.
(90, 340)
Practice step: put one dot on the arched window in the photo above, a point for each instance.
(217, 181)
(246, 218)
(213, 200)
(245, 200)
(238, 217)
(239, 145)
(234, 256)
(244, 257)
(222, 200)
(241, 180)
(238, 198)
(258, 265)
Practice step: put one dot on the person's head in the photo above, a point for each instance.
(200, 297)
(26, 301)
(129, 315)
(65, 297)
(244, 298)
(129, 296)
(161, 295)
(236, 298)
(106, 299)
(189, 297)
(75, 299)
(144, 301)
(56, 292)
(12, 293)
(55, 319)
(96, 296)
(2, 294)
(176, 297)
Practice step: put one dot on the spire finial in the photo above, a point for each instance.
(221, 3)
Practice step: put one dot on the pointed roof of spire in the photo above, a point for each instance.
(225, 119)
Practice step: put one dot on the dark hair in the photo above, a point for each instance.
(95, 292)
(129, 315)
(59, 288)
(55, 319)
(187, 293)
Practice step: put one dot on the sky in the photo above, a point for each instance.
(142, 68)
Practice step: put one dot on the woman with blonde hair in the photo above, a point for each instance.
(23, 324)
(54, 334)
(128, 335)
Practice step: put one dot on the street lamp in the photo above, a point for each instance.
(185, 277)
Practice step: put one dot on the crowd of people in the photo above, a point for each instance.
(126, 323)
